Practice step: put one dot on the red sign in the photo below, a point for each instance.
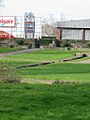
(5, 35)
(7, 21)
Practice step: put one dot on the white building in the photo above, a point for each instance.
(75, 29)
(14, 25)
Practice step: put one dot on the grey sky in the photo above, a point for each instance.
(71, 9)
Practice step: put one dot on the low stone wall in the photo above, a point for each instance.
(50, 62)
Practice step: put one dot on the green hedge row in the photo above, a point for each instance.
(46, 40)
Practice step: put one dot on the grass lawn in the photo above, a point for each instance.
(56, 71)
(15, 62)
(41, 56)
(6, 50)
(59, 71)
(37, 57)
(44, 102)
(44, 55)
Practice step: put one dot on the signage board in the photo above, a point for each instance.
(29, 25)
(7, 21)
(5, 35)
(29, 31)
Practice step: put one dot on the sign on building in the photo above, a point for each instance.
(6, 21)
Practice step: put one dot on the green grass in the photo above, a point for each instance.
(44, 55)
(6, 50)
(44, 102)
(59, 71)
(15, 62)
(37, 57)
(56, 71)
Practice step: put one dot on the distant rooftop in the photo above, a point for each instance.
(75, 24)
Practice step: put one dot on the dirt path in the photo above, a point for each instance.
(85, 61)
(37, 81)
(49, 82)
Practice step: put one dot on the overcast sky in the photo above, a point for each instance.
(70, 9)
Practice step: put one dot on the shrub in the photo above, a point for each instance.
(57, 43)
(20, 41)
(8, 74)
(11, 46)
(66, 44)
(88, 45)
(46, 40)
(27, 42)
(30, 46)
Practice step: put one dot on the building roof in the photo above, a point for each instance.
(75, 24)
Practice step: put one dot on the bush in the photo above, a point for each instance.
(8, 74)
(11, 46)
(26, 42)
(20, 41)
(66, 44)
(57, 43)
(30, 46)
(88, 45)
(46, 40)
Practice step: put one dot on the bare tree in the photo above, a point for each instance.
(47, 28)
(2, 3)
